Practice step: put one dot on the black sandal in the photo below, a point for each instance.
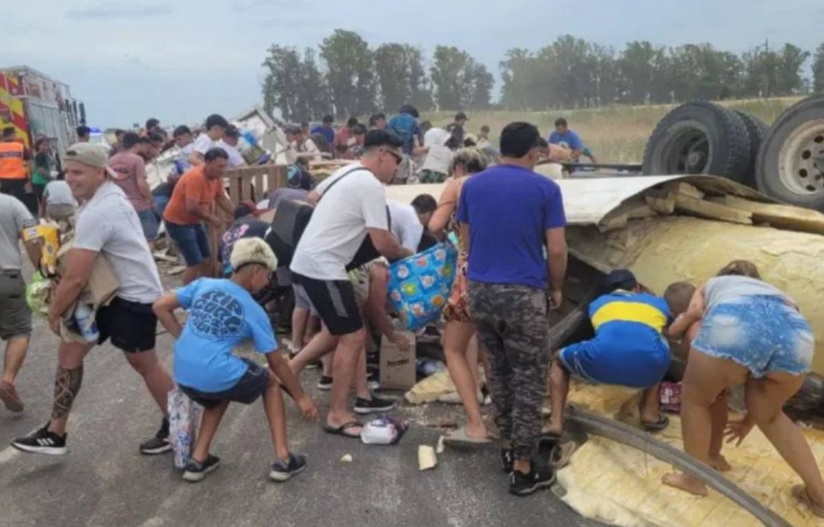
(341, 430)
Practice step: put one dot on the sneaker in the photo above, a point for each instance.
(159, 444)
(506, 460)
(195, 471)
(373, 386)
(325, 383)
(43, 441)
(314, 365)
(283, 471)
(8, 394)
(363, 406)
(526, 484)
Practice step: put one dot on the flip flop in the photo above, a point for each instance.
(800, 493)
(549, 440)
(657, 426)
(341, 430)
(460, 437)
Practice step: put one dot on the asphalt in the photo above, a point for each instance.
(104, 481)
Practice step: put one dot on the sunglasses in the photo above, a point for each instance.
(398, 157)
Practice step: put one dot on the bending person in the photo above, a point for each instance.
(752, 334)
(459, 328)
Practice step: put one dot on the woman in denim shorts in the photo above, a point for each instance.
(750, 333)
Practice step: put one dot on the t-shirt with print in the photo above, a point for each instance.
(242, 228)
(108, 224)
(14, 217)
(339, 223)
(204, 143)
(194, 186)
(508, 210)
(222, 315)
(131, 170)
(405, 225)
(570, 140)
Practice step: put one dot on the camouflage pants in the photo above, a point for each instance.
(513, 323)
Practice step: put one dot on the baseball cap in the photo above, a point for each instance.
(253, 251)
(88, 154)
(620, 279)
(461, 115)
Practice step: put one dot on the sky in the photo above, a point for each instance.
(180, 60)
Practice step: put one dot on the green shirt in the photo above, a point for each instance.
(42, 170)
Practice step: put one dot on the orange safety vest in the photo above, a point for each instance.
(12, 164)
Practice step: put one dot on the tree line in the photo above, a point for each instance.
(348, 77)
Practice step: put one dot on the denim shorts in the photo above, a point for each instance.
(148, 220)
(191, 241)
(759, 332)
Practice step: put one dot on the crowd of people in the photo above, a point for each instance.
(508, 224)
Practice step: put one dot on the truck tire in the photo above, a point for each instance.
(790, 165)
(756, 131)
(699, 138)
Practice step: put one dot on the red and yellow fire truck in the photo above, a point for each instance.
(39, 106)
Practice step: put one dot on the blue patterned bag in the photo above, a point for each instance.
(419, 285)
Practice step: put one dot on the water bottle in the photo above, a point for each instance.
(86, 323)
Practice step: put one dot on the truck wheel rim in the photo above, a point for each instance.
(801, 159)
(690, 148)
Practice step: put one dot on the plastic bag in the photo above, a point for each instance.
(384, 431)
(419, 285)
(37, 294)
(184, 421)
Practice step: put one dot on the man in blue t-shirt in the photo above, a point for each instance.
(510, 214)
(567, 138)
(326, 129)
(628, 350)
(222, 315)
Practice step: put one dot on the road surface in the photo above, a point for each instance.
(104, 481)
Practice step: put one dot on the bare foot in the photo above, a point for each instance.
(719, 463)
(553, 429)
(477, 431)
(685, 483)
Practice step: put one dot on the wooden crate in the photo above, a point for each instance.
(254, 183)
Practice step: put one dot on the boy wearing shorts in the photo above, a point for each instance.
(223, 314)
(629, 349)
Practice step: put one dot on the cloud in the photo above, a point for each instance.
(112, 10)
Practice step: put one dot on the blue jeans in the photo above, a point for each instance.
(148, 220)
(191, 241)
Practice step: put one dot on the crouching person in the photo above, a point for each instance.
(223, 314)
(628, 350)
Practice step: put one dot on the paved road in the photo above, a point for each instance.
(104, 481)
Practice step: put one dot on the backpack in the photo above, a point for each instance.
(291, 219)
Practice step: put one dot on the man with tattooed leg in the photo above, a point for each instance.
(106, 224)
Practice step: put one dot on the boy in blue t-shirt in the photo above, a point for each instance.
(222, 315)
(629, 349)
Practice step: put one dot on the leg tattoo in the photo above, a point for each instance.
(66, 387)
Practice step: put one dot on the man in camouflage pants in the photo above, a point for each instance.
(509, 213)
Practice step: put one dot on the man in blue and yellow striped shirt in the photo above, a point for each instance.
(629, 349)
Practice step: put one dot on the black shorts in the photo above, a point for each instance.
(131, 326)
(335, 302)
(246, 391)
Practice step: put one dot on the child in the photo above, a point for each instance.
(223, 314)
(628, 350)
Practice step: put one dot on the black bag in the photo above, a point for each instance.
(291, 219)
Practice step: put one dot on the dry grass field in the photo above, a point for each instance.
(615, 134)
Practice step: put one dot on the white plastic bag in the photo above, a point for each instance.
(184, 421)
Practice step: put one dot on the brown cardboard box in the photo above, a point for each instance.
(99, 291)
(397, 367)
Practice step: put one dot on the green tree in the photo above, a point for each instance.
(401, 76)
(449, 77)
(516, 69)
(481, 92)
(313, 98)
(350, 73)
(790, 79)
(282, 84)
(818, 70)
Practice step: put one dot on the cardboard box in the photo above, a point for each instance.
(99, 291)
(397, 367)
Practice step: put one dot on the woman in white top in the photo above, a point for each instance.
(439, 155)
(750, 333)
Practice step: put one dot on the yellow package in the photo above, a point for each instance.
(50, 238)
